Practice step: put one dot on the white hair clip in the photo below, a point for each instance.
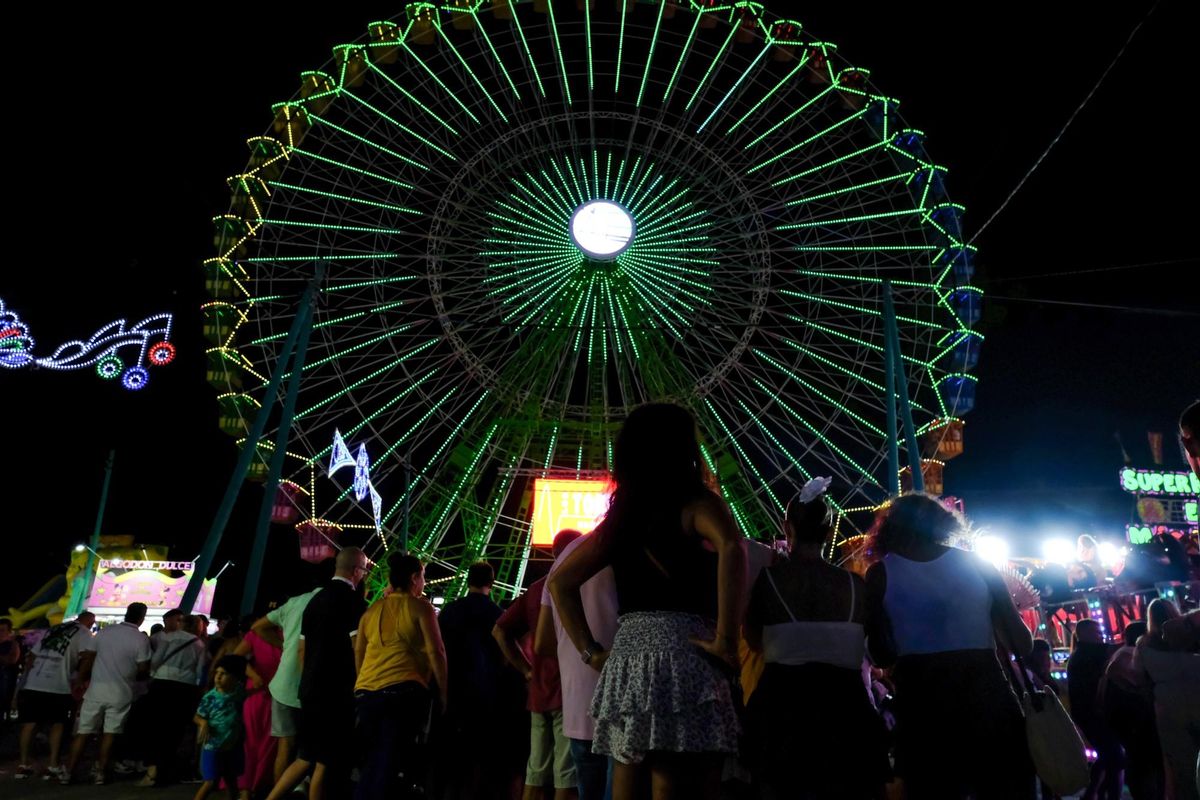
(814, 488)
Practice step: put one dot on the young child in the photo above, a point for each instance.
(219, 718)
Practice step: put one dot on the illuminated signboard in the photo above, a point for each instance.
(566, 503)
(1141, 534)
(120, 582)
(1150, 481)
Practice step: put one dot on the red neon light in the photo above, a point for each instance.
(566, 503)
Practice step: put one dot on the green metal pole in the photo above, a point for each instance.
(249, 448)
(889, 368)
(901, 380)
(83, 583)
(262, 530)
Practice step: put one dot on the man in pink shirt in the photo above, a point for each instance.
(578, 679)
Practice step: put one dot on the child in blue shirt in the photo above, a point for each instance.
(219, 718)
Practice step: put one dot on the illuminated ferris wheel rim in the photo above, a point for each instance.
(782, 368)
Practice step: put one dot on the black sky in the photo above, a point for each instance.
(121, 129)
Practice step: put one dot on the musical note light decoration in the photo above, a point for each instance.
(103, 350)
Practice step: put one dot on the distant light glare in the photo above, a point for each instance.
(79, 548)
(993, 549)
(1058, 551)
(1110, 554)
(602, 229)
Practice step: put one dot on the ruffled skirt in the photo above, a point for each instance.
(659, 692)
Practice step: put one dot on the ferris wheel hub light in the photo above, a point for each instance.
(602, 229)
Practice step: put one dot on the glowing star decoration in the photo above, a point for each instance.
(341, 454)
(99, 351)
(362, 474)
(339, 458)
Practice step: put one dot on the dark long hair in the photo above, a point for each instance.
(657, 469)
(913, 519)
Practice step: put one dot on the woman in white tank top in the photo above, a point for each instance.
(937, 613)
(807, 618)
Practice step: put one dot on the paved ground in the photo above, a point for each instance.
(11, 789)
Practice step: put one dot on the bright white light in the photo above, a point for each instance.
(993, 549)
(1110, 554)
(1059, 551)
(79, 548)
(602, 229)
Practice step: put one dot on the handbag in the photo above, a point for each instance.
(1055, 744)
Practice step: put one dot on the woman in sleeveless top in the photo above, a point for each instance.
(813, 731)
(936, 613)
(399, 652)
(663, 706)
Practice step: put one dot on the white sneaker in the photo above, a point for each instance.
(55, 774)
(124, 768)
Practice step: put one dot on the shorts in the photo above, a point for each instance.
(285, 719)
(550, 759)
(109, 717)
(44, 707)
(218, 764)
(326, 733)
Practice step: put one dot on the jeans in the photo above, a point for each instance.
(391, 725)
(593, 771)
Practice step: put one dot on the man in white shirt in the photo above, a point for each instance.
(175, 669)
(281, 627)
(122, 653)
(46, 697)
(578, 678)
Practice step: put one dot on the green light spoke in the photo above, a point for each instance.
(370, 377)
(635, 202)
(833, 364)
(734, 508)
(441, 449)
(535, 228)
(345, 287)
(683, 54)
(400, 125)
(420, 423)
(495, 55)
(820, 223)
(641, 183)
(350, 168)
(466, 66)
(369, 143)
(581, 187)
(344, 197)
(528, 53)
(671, 281)
(587, 24)
(654, 201)
(788, 151)
(736, 446)
(608, 174)
(818, 97)
(838, 334)
(900, 176)
(650, 55)
(859, 309)
(555, 217)
(321, 257)
(735, 86)
(410, 97)
(733, 29)
(787, 79)
(620, 49)
(330, 227)
(884, 248)
(566, 83)
(428, 71)
(617, 181)
(859, 278)
(676, 267)
(403, 393)
(536, 219)
(822, 437)
(309, 366)
(333, 321)
(911, 156)
(810, 387)
(831, 163)
(781, 449)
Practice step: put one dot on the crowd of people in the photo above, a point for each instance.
(663, 656)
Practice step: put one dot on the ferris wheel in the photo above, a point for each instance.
(534, 216)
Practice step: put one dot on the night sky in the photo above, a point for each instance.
(122, 129)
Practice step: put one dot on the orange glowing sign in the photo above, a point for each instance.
(566, 503)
